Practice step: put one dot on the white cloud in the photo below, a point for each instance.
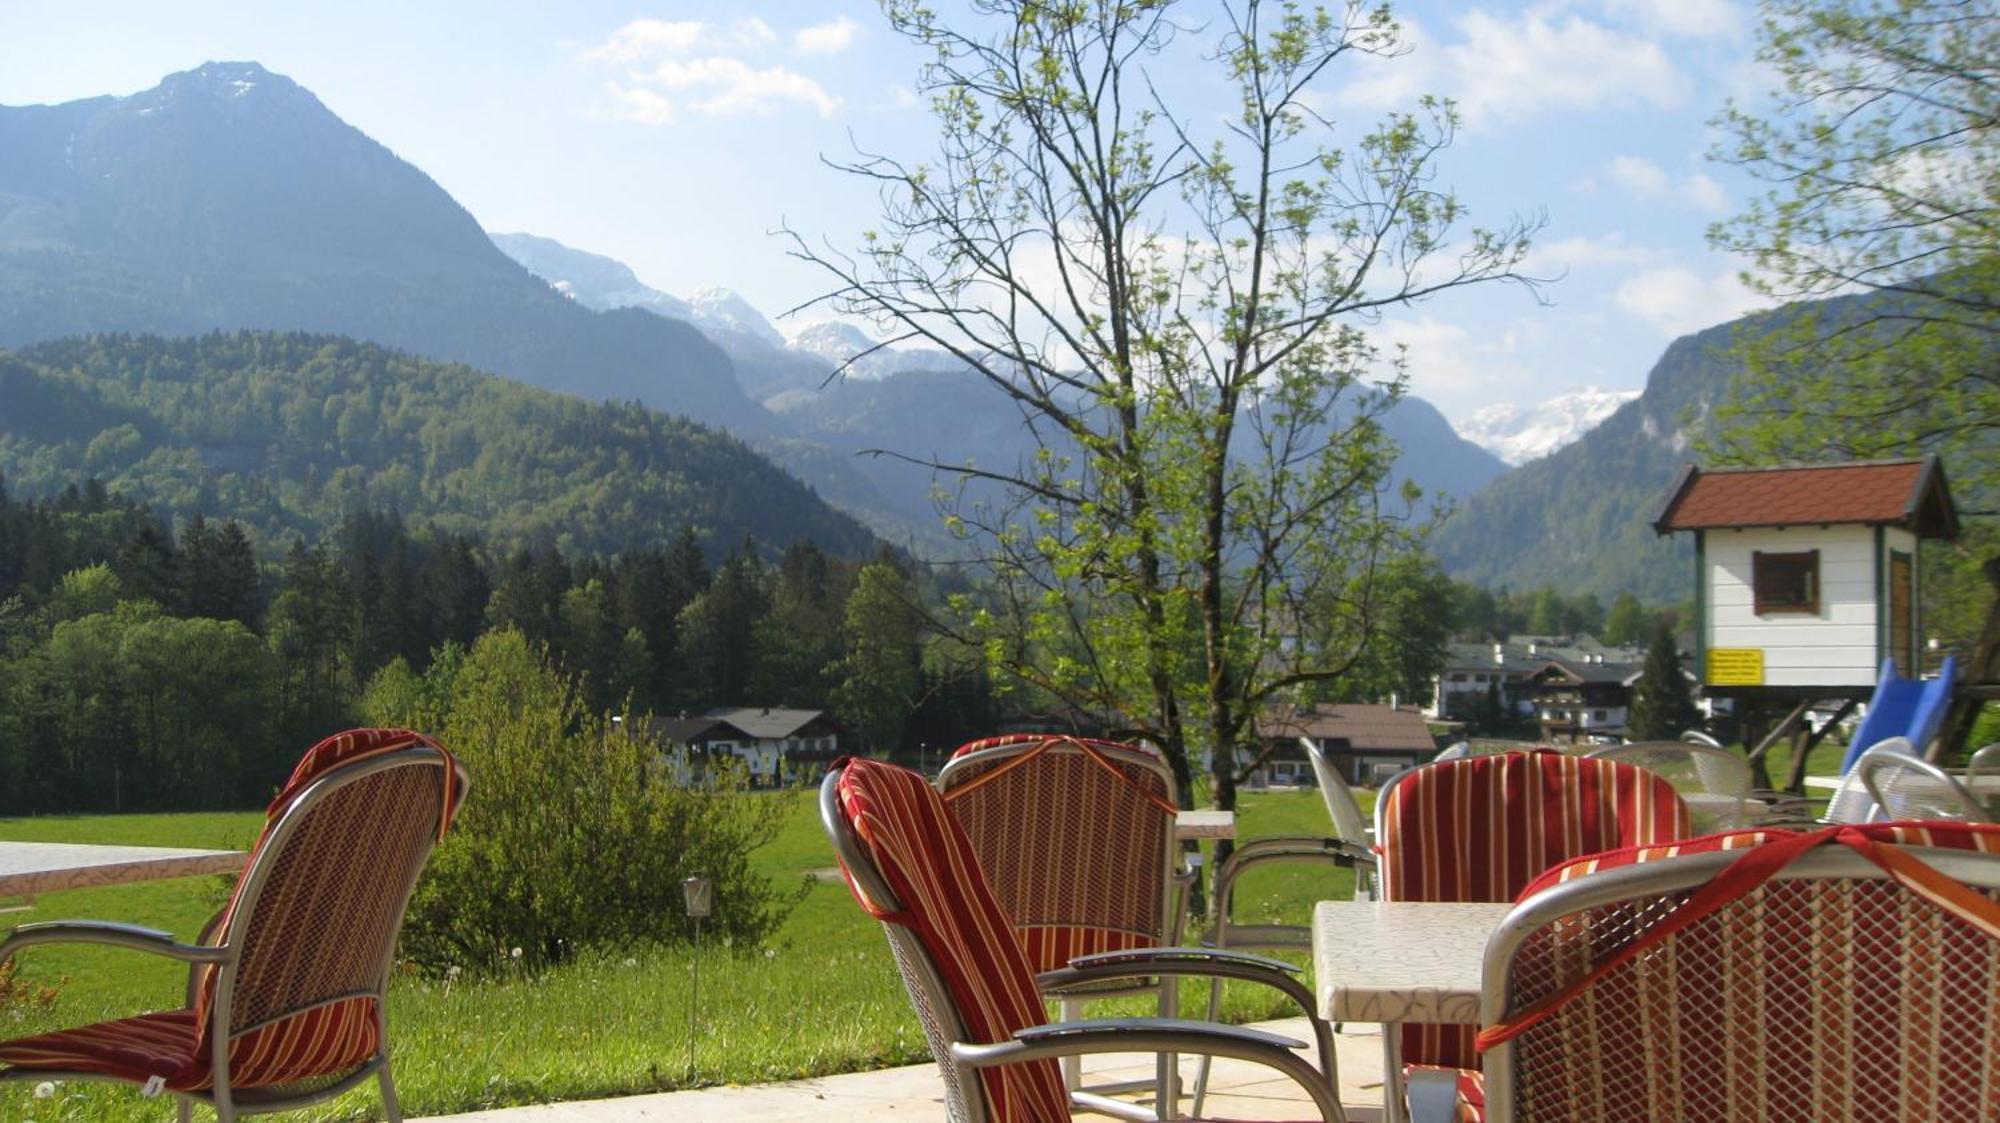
(719, 85)
(1639, 175)
(641, 105)
(1448, 363)
(1647, 180)
(647, 38)
(827, 38)
(1676, 300)
(1691, 19)
(1509, 68)
(667, 67)
(1707, 194)
(1584, 252)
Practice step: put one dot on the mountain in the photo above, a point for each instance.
(289, 432)
(1518, 434)
(599, 283)
(1579, 519)
(229, 197)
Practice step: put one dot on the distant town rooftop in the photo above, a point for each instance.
(1907, 493)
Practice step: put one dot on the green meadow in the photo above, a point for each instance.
(821, 997)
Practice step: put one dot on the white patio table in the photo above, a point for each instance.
(1400, 961)
(1198, 823)
(31, 868)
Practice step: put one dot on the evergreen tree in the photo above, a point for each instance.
(1662, 703)
(882, 670)
(148, 566)
(718, 634)
(1626, 622)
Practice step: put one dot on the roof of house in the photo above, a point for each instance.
(1906, 493)
(1365, 728)
(1587, 672)
(766, 723)
(681, 730)
(1525, 658)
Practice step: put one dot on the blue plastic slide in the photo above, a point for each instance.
(1903, 707)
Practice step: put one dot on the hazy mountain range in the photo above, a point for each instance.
(230, 198)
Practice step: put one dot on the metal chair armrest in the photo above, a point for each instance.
(1205, 963)
(1433, 1094)
(1299, 848)
(1159, 1035)
(130, 936)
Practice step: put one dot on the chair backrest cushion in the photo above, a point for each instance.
(1481, 828)
(1805, 997)
(944, 900)
(1075, 836)
(314, 942)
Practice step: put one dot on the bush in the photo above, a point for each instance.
(574, 835)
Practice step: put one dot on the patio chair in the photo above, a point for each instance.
(1480, 829)
(1983, 763)
(287, 988)
(1349, 847)
(1077, 839)
(912, 866)
(1844, 973)
(1905, 787)
(1714, 782)
(1852, 802)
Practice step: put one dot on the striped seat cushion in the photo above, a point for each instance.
(331, 1039)
(945, 902)
(1482, 828)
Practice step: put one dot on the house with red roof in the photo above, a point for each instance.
(1806, 575)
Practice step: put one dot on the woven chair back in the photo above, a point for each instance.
(1076, 837)
(317, 911)
(1830, 991)
(1481, 828)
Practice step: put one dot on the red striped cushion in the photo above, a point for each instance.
(135, 1049)
(928, 863)
(1982, 837)
(1482, 828)
(329, 1039)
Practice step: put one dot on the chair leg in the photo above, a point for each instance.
(392, 1111)
(184, 1111)
(1201, 1066)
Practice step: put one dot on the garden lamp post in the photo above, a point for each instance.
(698, 892)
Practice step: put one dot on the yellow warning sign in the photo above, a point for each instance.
(1735, 666)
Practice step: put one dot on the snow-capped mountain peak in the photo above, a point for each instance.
(727, 309)
(1518, 434)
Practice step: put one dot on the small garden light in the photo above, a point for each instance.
(698, 893)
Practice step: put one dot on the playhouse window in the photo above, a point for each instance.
(1786, 582)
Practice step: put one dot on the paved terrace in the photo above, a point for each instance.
(915, 1094)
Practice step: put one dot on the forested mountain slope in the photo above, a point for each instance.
(229, 197)
(290, 432)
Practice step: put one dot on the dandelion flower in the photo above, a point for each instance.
(46, 1090)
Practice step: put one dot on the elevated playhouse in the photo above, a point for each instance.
(1806, 592)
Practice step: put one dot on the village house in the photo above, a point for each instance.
(776, 745)
(1368, 743)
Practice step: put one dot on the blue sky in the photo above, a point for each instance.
(675, 136)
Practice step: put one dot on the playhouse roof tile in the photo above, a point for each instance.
(1908, 493)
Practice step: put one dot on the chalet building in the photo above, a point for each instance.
(1367, 743)
(1472, 669)
(1582, 699)
(776, 745)
(1806, 577)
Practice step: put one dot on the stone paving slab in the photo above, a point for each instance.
(915, 1093)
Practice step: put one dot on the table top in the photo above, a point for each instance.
(1401, 961)
(31, 868)
(1204, 824)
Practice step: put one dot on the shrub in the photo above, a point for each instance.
(575, 834)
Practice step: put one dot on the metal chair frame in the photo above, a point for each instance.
(1652, 879)
(226, 958)
(1852, 802)
(1717, 772)
(959, 1059)
(1880, 773)
(1348, 848)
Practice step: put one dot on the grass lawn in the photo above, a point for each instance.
(823, 997)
